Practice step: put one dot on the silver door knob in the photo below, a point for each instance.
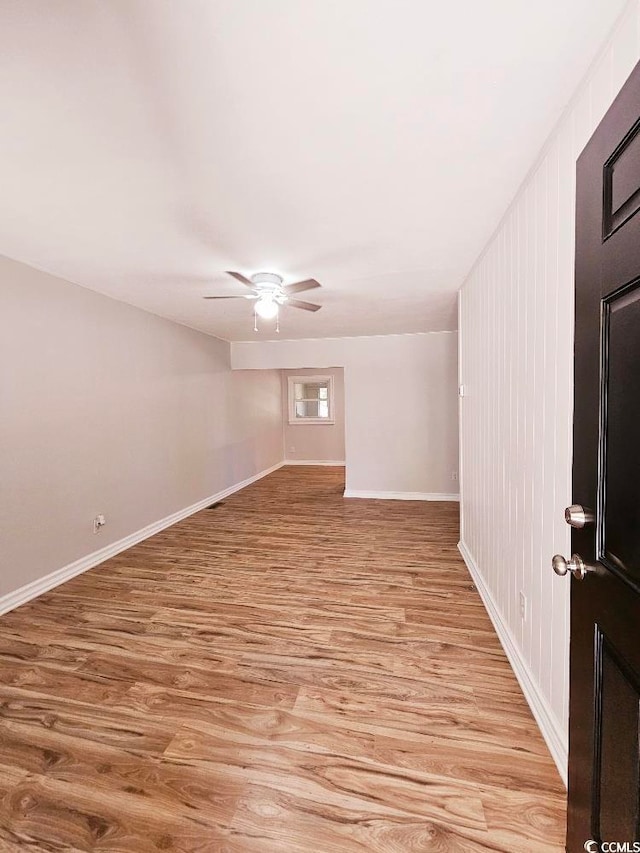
(576, 565)
(578, 516)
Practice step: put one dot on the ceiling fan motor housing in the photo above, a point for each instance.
(269, 286)
(266, 281)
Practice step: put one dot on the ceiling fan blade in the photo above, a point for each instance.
(230, 297)
(306, 306)
(299, 286)
(239, 277)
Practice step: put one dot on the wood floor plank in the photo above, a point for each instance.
(247, 723)
(284, 670)
(48, 679)
(36, 650)
(238, 629)
(89, 721)
(289, 672)
(464, 757)
(331, 778)
(80, 817)
(151, 643)
(197, 678)
(269, 821)
(419, 722)
(170, 786)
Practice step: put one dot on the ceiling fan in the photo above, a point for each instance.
(270, 293)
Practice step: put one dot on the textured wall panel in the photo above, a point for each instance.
(516, 351)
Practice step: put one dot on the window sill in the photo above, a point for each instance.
(314, 421)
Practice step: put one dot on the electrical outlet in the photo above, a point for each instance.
(454, 475)
(98, 522)
(523, 606)
(292, 448)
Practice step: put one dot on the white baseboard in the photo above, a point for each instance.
(32, 590)
(338, 464)
(401, 496)
(552, 732)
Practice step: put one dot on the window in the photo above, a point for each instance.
(311, 400)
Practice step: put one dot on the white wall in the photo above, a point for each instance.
(315, 442)
(108, 409)
(516, 363)
(401, 420)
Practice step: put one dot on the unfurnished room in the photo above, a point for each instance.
(319, 403)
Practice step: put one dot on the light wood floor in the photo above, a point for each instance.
(290, 671)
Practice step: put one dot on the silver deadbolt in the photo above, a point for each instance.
(578, 516)
(576, 565)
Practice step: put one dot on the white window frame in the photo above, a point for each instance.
(292, 381)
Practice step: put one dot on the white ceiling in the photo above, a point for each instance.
(148, 145)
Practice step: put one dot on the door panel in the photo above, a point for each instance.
(620, 532)
(616, 771)
(621, 188)
(604, 716)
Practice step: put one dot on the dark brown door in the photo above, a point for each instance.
(604, 742)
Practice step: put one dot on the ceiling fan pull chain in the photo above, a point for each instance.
(278, 322)
(255, 320)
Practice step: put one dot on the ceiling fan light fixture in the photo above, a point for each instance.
(266, 307)
(269, 293)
